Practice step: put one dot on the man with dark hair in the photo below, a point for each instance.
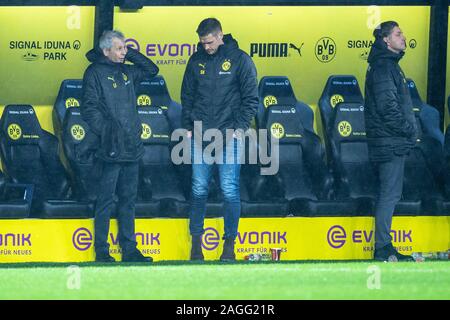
(109, 108)
(219, 91)
(391, 129)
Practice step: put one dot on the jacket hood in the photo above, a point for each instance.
(380, 50)
(96, 55)
(229, 44)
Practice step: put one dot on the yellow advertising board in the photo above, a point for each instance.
(307, 44)
(40, 47)
(44, 45)
(298, 238)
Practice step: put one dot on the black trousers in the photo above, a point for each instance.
(390, 187)
(120, 179)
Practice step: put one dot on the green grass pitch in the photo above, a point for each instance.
(214, 280)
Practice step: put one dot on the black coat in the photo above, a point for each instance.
(389, 117)
(220, 90)
(109, 104)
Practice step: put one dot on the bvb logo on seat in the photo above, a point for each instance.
(14, 131)
(335, 99)
(277, 130)
(344, 128)
(77, 132)
(146, 131)
(72, 102)
(269, 100)
(144, 100)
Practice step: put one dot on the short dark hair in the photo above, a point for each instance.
(384, 29)
(207, 26)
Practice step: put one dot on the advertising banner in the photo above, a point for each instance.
(40, 47)
(306, 44)
(296, 238)
(45, 45)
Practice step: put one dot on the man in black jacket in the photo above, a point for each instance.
(391, 129)
(219, 91)
(109, 108)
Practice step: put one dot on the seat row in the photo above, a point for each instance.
(317, 176)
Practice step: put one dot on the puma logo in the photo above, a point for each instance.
(203, 65)
(114, 82)
(299, 50)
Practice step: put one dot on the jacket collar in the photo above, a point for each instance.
(380, 51)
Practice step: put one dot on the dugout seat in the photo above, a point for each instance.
(339, 88)
(428, 117)
(278, 90)
(424, 165)
(154, 92)
(80, 145)
(15, 199)
(160, 185)
(30, 155)
(302, 178)
(69, 95)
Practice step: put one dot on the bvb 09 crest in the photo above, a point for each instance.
(226, 65)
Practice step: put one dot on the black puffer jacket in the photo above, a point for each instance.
(109, 104)
(390, 123)
(220, 90)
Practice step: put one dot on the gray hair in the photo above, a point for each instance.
(107, 37)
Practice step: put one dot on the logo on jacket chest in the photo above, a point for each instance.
(125, 79)
(202, 68)
(114, 83)
(226, 66)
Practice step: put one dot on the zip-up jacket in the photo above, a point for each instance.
(109, 104)
(221, 89)
(389, 117)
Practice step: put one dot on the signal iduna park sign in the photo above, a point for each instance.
(297, 238)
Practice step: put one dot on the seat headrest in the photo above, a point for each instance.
(284, 123)
(20, 125)
(70, 95)
(155, 125)
(342, 88)
(153, 93)
(338, 89)
(349, 123)
(276, 90)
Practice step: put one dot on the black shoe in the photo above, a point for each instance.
(104, 258)
(196, 249)
(228, 251)
(388, 253)
(136, 256)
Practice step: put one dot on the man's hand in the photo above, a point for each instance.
(189, 134)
